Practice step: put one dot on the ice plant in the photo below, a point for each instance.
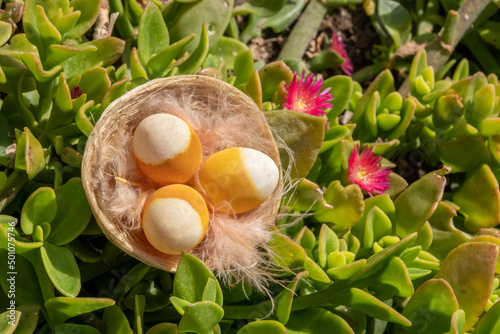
(305, 96)
(365, 170)
(339, 47)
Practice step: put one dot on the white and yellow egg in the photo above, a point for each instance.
(238, 179)
(167, 149)
(175, 219)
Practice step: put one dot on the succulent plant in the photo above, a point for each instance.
(382, 256)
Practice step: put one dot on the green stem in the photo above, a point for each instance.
(303, 32)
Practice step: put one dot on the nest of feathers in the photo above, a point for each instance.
(235, 246)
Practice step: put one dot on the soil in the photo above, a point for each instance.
(354, 25)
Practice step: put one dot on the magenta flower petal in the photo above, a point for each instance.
(339, 47)
(305, 96)
(365, 170)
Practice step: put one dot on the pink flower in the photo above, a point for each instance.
(339, 47)
(305, 96)
(365, 171)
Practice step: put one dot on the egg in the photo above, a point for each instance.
(175, 219)
(167, 149)
(238, 179)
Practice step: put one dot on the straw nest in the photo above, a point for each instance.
(235, 246)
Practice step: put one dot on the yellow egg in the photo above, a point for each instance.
(167, 149)
(238, 179)
(175, 219)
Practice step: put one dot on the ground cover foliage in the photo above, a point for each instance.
(415, 254)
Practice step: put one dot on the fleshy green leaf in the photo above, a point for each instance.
(179, 304)
(490, 322)
(302, 133)
(445, 235)
(483, 104)
(48, 33)
(22, 245)
(395, 278)
(62, 269)
(347, 205)
(285, 17)
(191, 278)
(315, 272)
(334, 135)
(210, 291)
(367, 303)
(396, 20)
(89, 10)
(431, 308)
(470, 269)
(284, 299)
(34, 64)
(456, 153)
(317, 320)
(270, 77)
(153, 34)
(108, 51)
(63, 99)
(306, 196)
(243, 67)
(29, 154)
(383, 83)
(133, 277)
(253, 88)
(82, 121)
(407, 112)
(28, 320)
(156, 298)
(95, 83)
(346, 271)
(200, 317)
(416, 204)
(5, 32)
(73, 212)
(189, 18)
(9, 321)
(163, 328)
(260, 8)
(287, 253)
(198, 56)
(263, 326)
(39, 207)
(75, 329)
(479, 199)
(161, 62)
(328, 242)
(27, 290)
(63, 308)
(139, 306)
(378, 260)
(227, 48)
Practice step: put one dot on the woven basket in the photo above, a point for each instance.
(213, 108)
